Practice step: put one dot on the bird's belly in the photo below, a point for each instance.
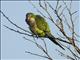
(37, 32)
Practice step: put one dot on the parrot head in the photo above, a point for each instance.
(30, 18)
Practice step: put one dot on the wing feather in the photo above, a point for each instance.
(41, 23)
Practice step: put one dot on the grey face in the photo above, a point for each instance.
(30, 19)
(28, 15)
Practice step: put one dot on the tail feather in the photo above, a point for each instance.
(52, 38)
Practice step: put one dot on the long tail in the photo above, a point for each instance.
(52, 38)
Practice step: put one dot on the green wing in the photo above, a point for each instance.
(42, 24)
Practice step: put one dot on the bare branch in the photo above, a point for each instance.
(60, 36)
(74, 54)
(62, 11)
(45, 45)
(74, 12)
(39, 11)
(29, 40)
(45, 4)
(40, 47)
(17, 31)
(59, 39)
(61, 29)
(73, 43)
(57, 4)
(67, 56)
(36, 54)
(13, 23)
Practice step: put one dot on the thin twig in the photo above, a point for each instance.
(29, 40)
(13, 23)
(45, 45)
(59, 39)
(60, 36)
(36, 54)
(39, 10)
(72, 41)
(62, 31)
(16, 31)
(40, 47)
(74, 12)
(62, 11)
(75, 55)
(57, 4)
(67, 56)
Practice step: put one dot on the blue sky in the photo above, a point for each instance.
(13, 46)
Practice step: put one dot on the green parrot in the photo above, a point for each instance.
(40, 27)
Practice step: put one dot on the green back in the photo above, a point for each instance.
(42, 24)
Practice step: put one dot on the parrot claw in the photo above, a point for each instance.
(36, 36)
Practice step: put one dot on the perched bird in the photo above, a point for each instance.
(40, 27)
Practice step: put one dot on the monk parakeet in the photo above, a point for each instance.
(40, 27)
